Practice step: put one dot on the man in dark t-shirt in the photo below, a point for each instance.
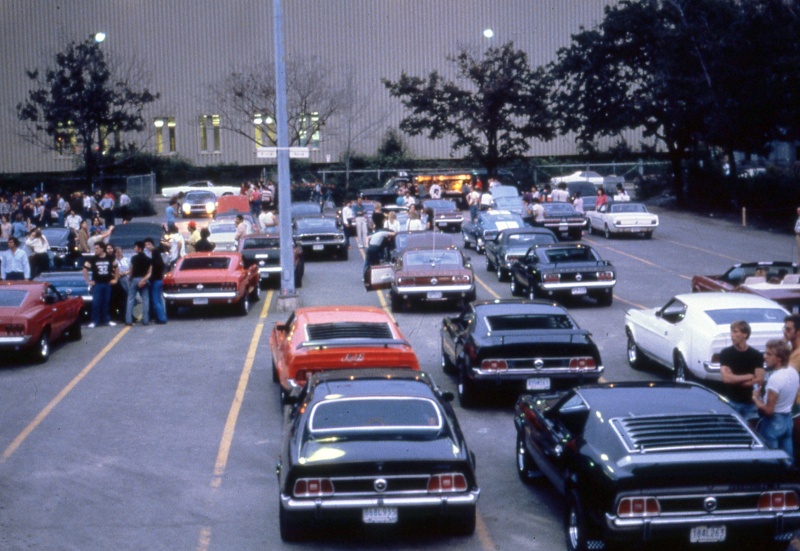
(105, 273)
(157, 281)
(741, 367)
(141, 270)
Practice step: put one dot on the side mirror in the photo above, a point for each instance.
(447, 396)
(280, 326)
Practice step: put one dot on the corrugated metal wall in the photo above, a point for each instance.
(182, 46)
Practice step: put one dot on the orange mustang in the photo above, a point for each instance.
(335, 337)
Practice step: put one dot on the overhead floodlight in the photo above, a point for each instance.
(488, 33)
(99, 37)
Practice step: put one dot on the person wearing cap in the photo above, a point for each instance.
(194, 236)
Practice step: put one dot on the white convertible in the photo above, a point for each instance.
(621, 217)
(687, 333)
(219, 191)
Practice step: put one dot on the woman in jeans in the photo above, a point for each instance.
(775, 405)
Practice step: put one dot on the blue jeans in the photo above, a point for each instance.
(144, 292)
(473, 212)
(101, 303)
(157, 300)
(776, 429)
(748, 411)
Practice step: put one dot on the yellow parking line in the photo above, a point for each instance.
(238, 398)
(9, 451)
(485, 286)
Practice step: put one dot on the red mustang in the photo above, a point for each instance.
(336, 337)
(32, 314)
(202, 279)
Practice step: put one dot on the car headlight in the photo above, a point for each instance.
(187, 208)
(210, 207)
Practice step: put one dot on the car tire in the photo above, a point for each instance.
(243, 306)
(462, 524)
(291, 525)
(607, 232)
(515, 291)
(74, 333)
(344, 255)
(395, 303)
(489, 264)
(275, 377)
(605, 299)
(466, 241)
(680, 371)
(577, 527)
(589, 227)
(576, 235)
(40, 353)
(501, 273)
(466, 389)
(648, 235)
(635, 357)
(255, 295)
(532, 292)
(526, 468)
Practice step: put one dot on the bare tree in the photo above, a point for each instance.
(245, 100)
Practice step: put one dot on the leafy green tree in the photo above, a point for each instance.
(82, 107)
(496, 106)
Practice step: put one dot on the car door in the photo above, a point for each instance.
(523, 269)
(455, 332)
(59, 311)
(663, 331)
(379, 276)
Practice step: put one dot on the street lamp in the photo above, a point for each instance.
(488, 33)
(99, 37)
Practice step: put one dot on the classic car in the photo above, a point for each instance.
(264, 251)
(199, 203)
(687, 333)
(738, 273)
(33, 314)
(511, 245)
(219, 191)
(425, 274)
(488, 224)
(519, 345)
(446, 215)
(387, 194)
(588, 193)
(511, 204)
(785, 292)
(63, 251)
(661, 463)
(70, 284)
(323, 338)
(320, 235)
(564, 220)
(588, 176)
(212, 279)
(613, 219)
(563, 270)
(374, 446)
(223, 233)
(305, 208)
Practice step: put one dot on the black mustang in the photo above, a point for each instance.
(666, 462)
(517, 344)
(549, 271)
(319, 234)
(511, 245)
(488, 224)
(264, 250)
(374, 446)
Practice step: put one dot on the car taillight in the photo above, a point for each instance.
(451, 482)
(405, 280)
(638, 507)
(605, 276)
(228, 286)
(313, 487)
(781, 500)
(461, 279)
(582, 363)
(15, 329)
(494, 365)
(551, 278)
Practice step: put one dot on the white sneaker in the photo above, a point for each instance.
(91, 325)
(112, 323)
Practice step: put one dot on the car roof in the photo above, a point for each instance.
(372, 381)
(427, 239)
(333, 314)
(721, 301)
(527, 230)
(651, 398)
(517, 306)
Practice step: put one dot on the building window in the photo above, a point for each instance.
(169, 146)
(265, 130)
(66, 143)
(309, 130)
(209, 125)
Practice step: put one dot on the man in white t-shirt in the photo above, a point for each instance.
(436, 191)
(775, 405)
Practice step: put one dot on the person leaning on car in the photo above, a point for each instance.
(776, 404)
(741, 367)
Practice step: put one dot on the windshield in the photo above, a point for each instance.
(316, 224)
(375, 414)
(628, 207)
(261, 243)
(524, 322)
(573, 254)
(560, 209)
(530, 239)
(200, 197)
(440, 204)
(301, 209)
(750, 315)
(433, 258)
(206, 263)
(12, 298)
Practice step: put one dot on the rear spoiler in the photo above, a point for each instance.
(344, 342)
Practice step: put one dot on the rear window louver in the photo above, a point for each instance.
(677, 432)
(348, 330)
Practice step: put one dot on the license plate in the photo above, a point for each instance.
(379, 515)
(707, 534)
(563, 227)
(579, 290)
(200, 301)
(538, 384)
(434, 294)
(442, 224)
(317, 247)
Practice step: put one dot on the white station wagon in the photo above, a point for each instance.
(687, 333)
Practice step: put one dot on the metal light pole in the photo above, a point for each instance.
(287, 301)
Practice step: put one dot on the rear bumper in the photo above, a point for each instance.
(15, 342)
(468, 499)
(183, 297)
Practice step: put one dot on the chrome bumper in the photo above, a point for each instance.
(780, 521)
(588, 285)
(444, 289)
(527, 373)
(15, 341)
(334, 504)
(190, 296)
